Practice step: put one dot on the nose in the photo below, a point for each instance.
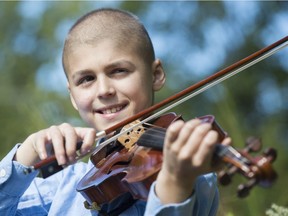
(105, 87)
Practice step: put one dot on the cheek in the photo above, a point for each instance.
(83, 101)
(141, 94)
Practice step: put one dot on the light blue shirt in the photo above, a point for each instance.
(22, 194)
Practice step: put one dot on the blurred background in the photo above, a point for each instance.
(193, 39)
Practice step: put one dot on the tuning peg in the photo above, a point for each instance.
(244, 189)
(253, 144)
(271, 154)
(225, 176)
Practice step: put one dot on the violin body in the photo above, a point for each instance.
(123, 175)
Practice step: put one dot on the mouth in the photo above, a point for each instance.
(111, 109)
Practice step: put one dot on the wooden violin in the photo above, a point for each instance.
(124, 171)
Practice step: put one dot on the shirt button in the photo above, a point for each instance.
(2, 172)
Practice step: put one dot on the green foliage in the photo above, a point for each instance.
(27, 45)
(276, 210)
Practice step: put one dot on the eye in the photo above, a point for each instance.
(119, 70)
(119, 73)
(85, 80)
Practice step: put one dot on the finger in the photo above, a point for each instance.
(39, 143)
(57, 140)
(227, 141)
(195, 139)
(88, 136)
(172, 133)
(70, 140)
(184, 134)
(207, 146)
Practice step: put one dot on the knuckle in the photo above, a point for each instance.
(184, 156)
(171, 135)
(202, 129)
(193, 122)
(59, 152)
(211, 137)
(53, 128)
(174, 149)
(70, 152)
(92, 131)
(171, 129)
(65, 126)
(191, 125)
(214, 133)
(40, 135)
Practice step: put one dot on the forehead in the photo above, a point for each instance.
(106, 51)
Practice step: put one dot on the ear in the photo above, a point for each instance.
(71, 97)
(159, 76)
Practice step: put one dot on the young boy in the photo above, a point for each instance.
(112, 74)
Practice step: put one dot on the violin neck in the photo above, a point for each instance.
(231, 156)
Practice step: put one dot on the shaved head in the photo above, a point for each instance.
(120, 26)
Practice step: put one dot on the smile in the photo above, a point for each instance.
(110, 110)
(113, 110)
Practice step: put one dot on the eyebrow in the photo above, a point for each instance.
(119, 63)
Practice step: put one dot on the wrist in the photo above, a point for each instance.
(173, 190)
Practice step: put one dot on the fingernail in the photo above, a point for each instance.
(62, 160)
(42, 156)
(71, 158)
(84, 151)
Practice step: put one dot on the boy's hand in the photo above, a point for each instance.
(62, 139)
(188, 151)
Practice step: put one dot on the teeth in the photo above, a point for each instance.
(113, 110)
(107, 112)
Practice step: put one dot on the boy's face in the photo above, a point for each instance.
(109, 83)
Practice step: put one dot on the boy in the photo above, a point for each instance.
(112, 73)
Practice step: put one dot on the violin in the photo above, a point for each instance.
(126, 164)
(126, 174)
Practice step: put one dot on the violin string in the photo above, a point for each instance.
(236, 158)
(158, 133)
(100, 145)
(147, 124)
(236, 155)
